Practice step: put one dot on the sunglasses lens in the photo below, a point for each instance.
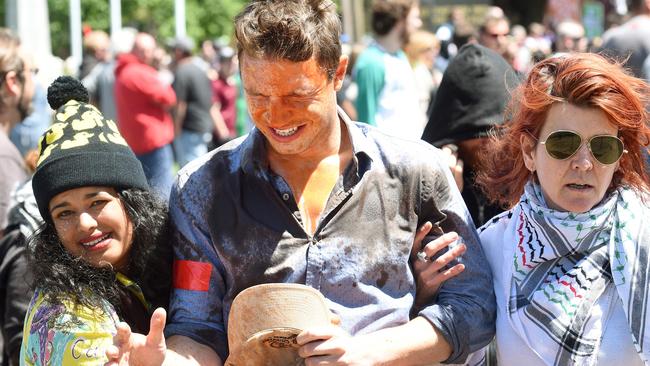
(562, 144)
(606, 149)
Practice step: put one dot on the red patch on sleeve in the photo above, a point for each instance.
(193, 276)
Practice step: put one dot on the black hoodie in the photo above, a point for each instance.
(471, 99)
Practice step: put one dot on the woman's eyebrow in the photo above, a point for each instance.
(62, 204)
(91, 195)
(66, 203)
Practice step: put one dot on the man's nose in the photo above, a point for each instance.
(276, 109)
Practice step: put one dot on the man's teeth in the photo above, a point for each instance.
(286, 132)
(94, 242)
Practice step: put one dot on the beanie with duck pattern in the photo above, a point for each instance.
(81, 148)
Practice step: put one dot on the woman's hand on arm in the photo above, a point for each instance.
(430, 273)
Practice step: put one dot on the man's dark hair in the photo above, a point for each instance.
(293, 30)
(385, 14)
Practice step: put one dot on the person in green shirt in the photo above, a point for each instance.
(388, 95)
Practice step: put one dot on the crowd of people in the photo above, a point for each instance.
(460, 196)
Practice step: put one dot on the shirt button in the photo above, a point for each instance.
(285, 196)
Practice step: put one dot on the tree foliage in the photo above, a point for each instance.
(205, 19)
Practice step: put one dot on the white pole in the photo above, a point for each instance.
(359, 26)
(179, 12)
(348, 20)
(116, 19)
(75, 33)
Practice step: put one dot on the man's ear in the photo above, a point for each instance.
(11, 83)
(528, 151)
(339, 75)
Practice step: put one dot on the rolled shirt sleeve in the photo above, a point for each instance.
(464, 310)
(196, 306)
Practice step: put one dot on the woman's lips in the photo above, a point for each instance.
(578, 186)
(96, 242)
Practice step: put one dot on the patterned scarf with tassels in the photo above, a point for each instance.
(563, 262)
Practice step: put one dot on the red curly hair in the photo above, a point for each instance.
(582, 79)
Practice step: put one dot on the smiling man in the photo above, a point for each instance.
(313, 198)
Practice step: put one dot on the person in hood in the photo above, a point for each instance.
(472, 96)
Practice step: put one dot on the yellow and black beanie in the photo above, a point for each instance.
(81, 148)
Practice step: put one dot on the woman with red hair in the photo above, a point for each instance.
(571, 256)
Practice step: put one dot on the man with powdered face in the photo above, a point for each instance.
(310, 197)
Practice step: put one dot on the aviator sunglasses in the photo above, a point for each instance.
(562, 144)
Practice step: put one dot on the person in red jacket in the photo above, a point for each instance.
(143, 102)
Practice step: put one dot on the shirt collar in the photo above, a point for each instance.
(255, 157)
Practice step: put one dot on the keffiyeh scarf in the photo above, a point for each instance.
(563, 262)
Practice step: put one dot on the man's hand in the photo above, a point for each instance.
(332, 345)
(431, 274)
(456, 165)
(135, 349)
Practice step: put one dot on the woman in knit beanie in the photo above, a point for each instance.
(100, 256)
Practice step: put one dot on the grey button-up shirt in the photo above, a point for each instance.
(236, 225)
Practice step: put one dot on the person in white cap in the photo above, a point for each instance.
(312, 198)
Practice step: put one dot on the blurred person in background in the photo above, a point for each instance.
(25, 134)
(494, 32)
(163, 63)
(100, 80)
(143, 103)
(570, 37)
(225, 90)
(97, 49)
(207, 58)
(193, 123)
(422, 50)
(630, 41)
(494, 12)
(537, 42)
(387, 93)
(521, 54)
(464, 33)
(16, 92)
(447, 32)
